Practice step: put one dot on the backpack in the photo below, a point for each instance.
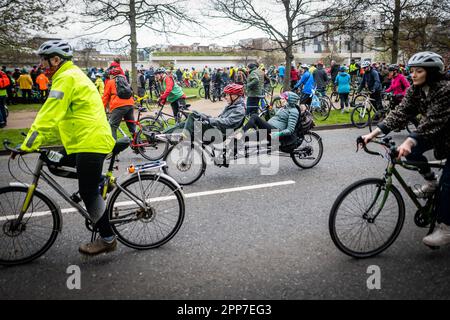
(305, 123)
(4, 81)
(123, 88)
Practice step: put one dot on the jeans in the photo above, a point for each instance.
(252, 105)
(176, 108)
(207, 94)
(377, 97)
(443, 203)
(89, 170)
(117, 114)
(343, 97)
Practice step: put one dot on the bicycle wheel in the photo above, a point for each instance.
(151, 148)
(354, 227)
(358, 100)
(334, 97)
(185, 163)
(146, 229)
(360, 116)
(37, 231)
(201, 92)
(321, 112)
(310, 151)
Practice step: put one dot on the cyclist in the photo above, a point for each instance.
(171, 92)
(284, 120)
(428, 96)
(254, 87)
(118, 107)
(399, 84)
(371, 79)
(99, 84)
(231, 117)
(306, 84)
(73, 111)
(321, 79)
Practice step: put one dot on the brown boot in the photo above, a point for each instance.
(97, 247)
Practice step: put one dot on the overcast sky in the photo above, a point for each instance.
(213, 31)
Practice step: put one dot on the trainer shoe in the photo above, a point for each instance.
(98, 246)
(439, 237)
(426, 189)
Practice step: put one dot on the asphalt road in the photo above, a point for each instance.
(266, 243)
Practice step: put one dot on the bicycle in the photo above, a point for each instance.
(361, 228)
(145, 211)
(186, 161)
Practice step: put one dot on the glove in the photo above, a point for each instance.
(205, 122)
(275, 134)
(161, 101)
(204, 117)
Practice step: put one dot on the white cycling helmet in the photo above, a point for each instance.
(427, 59)
(305, 66)
(59, 48)
(365, 64)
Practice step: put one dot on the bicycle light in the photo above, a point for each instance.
(131, 169)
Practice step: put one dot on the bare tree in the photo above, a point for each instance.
(394, 13)
(427, 28)
(286, 22)
(20, 19)
(159, 16)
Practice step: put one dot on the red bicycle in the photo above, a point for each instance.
(143, 140)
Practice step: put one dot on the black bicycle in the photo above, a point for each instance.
(368, 215)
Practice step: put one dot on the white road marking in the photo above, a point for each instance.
(166, 198)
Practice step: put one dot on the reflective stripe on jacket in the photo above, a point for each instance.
(73, 112)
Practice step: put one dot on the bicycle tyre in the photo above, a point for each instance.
(339, 240)
(320, 113)
(177, 167)
(179, 211)
(360, 117)
(153, 149)
(308, 137)
(201, 92)
(54, 222)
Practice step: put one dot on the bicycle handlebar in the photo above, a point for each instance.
(386, 142)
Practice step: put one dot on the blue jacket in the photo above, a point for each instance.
(343, 82)
(307, 81)
(372, 79)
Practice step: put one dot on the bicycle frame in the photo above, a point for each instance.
(40, 173)
(392, 171)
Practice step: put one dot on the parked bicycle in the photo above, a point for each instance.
(368, 215)
(145, 211)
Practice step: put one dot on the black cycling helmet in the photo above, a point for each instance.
(393, 67)
(253, 65)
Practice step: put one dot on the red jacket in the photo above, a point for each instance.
(294, 75)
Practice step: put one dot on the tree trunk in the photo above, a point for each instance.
(133, 43)
(396, 32)
(287, 72)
